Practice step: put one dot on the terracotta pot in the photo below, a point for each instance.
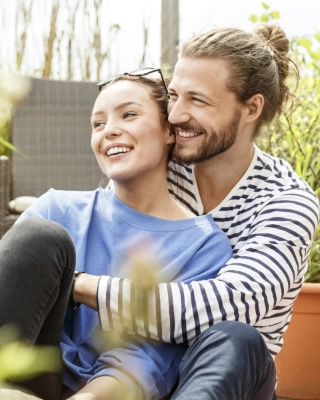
(298, 363)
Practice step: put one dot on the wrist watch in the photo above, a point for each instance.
(72, 303)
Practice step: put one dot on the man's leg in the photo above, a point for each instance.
(229, 361)
(37, 260)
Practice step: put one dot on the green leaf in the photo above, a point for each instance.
(275, 15)
(314, 55)
(264, 18)
(265, 6)
(307, 43)
(18, 360)
(253, 19)
(7, 144)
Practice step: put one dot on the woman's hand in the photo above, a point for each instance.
(12, 394)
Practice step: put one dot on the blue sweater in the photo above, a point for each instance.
(103, 228)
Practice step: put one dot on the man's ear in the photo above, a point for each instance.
(254, 107)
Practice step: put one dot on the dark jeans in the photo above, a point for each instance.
(37, 260)
(229, 361)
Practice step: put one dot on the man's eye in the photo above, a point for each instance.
(172, 96)
(198, 100)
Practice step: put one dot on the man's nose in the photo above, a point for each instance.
(178, 113)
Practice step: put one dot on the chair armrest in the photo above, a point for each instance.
(6, 219)
(5, 180)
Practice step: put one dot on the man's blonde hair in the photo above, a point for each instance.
(258, 61)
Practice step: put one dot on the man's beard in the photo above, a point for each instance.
(217, 143)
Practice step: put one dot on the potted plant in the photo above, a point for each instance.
(298, 363)
(295, 137)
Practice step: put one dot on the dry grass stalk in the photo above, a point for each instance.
(22, 20)
(50, 40)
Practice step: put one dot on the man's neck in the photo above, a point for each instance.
(218, 176)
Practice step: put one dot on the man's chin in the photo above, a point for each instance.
(184, 156)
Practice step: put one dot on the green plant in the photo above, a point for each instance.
(19, 361)
(13, 90)
(295, 134)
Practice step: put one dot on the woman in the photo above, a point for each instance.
(131, 140)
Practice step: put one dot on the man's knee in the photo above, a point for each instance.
(235, 337)
(239, 332)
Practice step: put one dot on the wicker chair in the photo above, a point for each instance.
(52, 131)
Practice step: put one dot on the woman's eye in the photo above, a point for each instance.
(98, 124)
(129, 114)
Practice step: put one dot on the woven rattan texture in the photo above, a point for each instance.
(52, 130)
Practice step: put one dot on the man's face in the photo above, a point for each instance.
(206, 116)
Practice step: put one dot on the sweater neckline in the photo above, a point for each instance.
(143, 221)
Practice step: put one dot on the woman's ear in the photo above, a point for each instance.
(171, 137)
(254, 107)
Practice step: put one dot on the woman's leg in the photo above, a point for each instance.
(228, 361)
(37, 260)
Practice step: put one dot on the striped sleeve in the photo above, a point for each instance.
(257, 286)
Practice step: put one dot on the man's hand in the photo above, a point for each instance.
(85, 290)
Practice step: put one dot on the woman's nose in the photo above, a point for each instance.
(111, 130)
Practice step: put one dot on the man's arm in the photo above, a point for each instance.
(257, 286)
(85, 290)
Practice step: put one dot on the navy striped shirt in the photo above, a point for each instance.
(270, 217)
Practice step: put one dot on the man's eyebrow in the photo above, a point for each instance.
(192, 93)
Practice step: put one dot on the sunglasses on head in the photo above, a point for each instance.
(137, 72)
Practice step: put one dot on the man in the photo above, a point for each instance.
(226, 85)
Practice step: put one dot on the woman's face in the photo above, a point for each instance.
(128, 138)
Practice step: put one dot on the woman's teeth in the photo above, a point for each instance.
(116, 150)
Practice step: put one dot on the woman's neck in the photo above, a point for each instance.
(151, 198)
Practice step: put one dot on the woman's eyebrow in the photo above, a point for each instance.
(127, 103)
(118, 107)
(97, 113)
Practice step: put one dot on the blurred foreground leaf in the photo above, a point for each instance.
(19, 361)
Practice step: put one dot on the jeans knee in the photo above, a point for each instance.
(243, 333)
(238, 336)
(43, 231)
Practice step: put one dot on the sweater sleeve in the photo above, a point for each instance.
(257, 286)
(146, 368)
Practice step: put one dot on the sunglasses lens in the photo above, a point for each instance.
(137, 72)
(142, 71)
